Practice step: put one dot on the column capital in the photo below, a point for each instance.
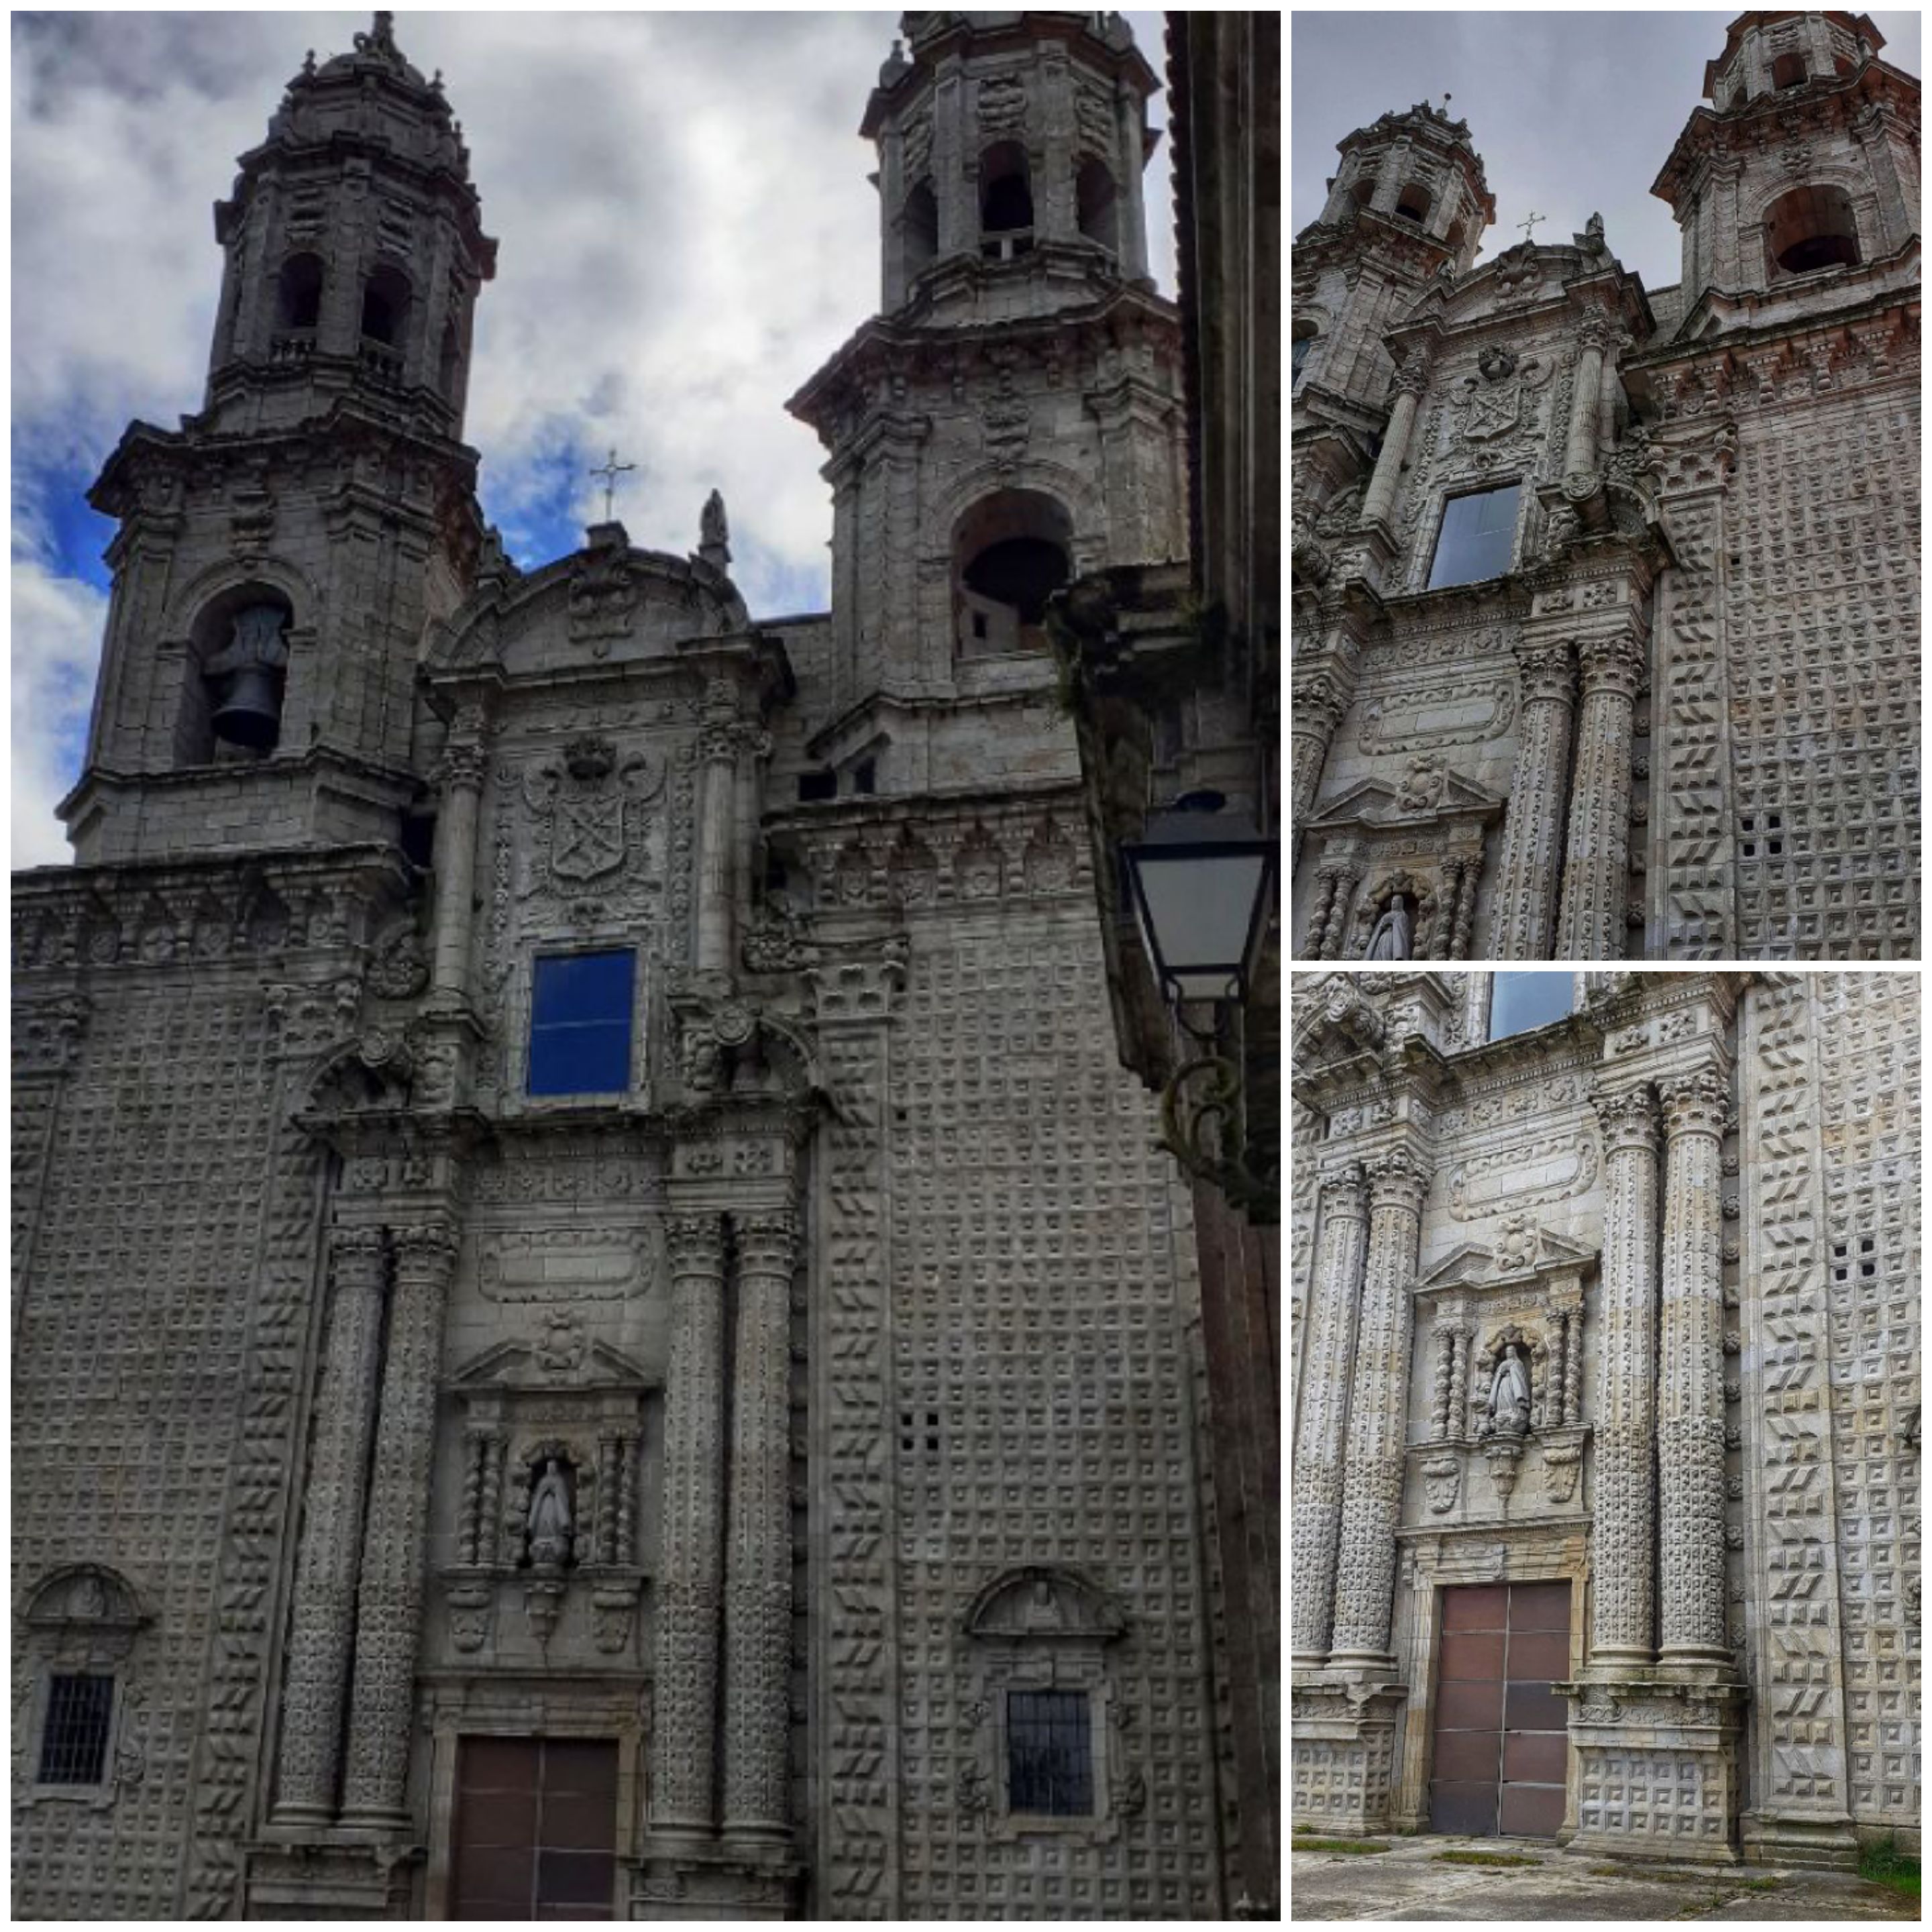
(1695, 1101)
(1398, 1179)
(425, 1248)
(767, 1242)
(1595, 333)
(1344, 1192)
(1627, 1120)
(461, 766)
(356, 1252)
(1411, 373)
(1549, 672)
(1614, 663)
(695, 1243)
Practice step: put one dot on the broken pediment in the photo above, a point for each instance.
(1421, 798)
(1523, 1250)
(560, 1355)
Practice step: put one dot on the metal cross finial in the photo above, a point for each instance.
(611, 472)
(1524, 225)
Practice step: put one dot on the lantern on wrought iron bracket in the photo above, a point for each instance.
(1201, 883)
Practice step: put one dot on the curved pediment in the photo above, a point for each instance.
(1043, 1601)
(608, 603)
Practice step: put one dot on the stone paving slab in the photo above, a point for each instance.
(1408, 1882)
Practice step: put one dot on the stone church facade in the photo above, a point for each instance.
(1606, 1512)
(598, 1329)
(1605, 625)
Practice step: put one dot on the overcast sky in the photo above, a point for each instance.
(687, 233)
(1571, 112)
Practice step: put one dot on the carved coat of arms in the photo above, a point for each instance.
(589, 806)
(1493, 400)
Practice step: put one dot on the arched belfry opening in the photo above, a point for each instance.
(298, 293)
(919, 223)
(385, 313)
(1096, 204)
(1812, 228)
(237, 677)
(1006, 201)
(1011, 552)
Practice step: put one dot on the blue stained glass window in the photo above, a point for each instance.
(1520, 1001)
(1477, 538)
(580, 1023)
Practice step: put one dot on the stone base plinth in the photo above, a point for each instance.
(678, 1878)
(1343, 1735)
(1657, 1771)
(1829, 1844)
(323, 1872)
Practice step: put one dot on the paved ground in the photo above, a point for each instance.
(1408, 1882)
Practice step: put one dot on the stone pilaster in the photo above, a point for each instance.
(1323, 1416)
(1691, 1375)
(322, 1625)
(757, 1580)
(460, 778)
(1625, 1444)
(688, 1605)
(389, 1602)
(1378, 500)
(1596, 864)
(717, 747)
(1372, 1468)
(1525, 895)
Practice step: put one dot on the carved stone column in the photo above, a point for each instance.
(1314, 716)
(1691, 1374)
(688, 1601)
(1525, 897)
(717, 747)
(1337, 881)
(1379, 500)
(1323, 1419)
(1626, 1447)
(757, 1578)
(322, 1624)
(1372, 1471)
(1579, 447)
(1596, 863)
(460, 777)
(389, 1603)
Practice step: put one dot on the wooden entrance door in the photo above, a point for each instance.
(1502, 1753)
(536, 1829)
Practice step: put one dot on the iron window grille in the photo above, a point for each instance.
(73, 1740)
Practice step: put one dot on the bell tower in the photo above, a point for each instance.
(1011, 420)
(1797, 187)
(280, 552)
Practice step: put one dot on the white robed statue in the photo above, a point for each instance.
(1509, 1393)
(1390, 938)
(550, 1517)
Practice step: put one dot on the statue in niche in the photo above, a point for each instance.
(1392, 936)
(550, 1520)
(1509, 1393)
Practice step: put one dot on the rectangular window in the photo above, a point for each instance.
(1477, 538)
(536, 1830)
(580, 1023)
(74, 1743)
(1519, 1001)
(1049, 1754)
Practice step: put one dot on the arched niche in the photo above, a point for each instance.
(1012, 550)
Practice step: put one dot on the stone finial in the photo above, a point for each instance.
(714, 533)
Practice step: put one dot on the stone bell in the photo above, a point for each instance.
(250, 713)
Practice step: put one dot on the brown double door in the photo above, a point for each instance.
(536, 1829)
(1501, 1750)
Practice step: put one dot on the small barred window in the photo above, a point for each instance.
(73, 1741)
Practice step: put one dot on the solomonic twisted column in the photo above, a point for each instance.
(1626, 1446)
(692, 1563)
(757, 1577)
(322, 1625)
(1525, 897)
(1323, 1418)
(1373, 1470)
(389, 1603)
(1690, 1373)
(1596, 862)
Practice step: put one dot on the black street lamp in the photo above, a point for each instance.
(1201, 883)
